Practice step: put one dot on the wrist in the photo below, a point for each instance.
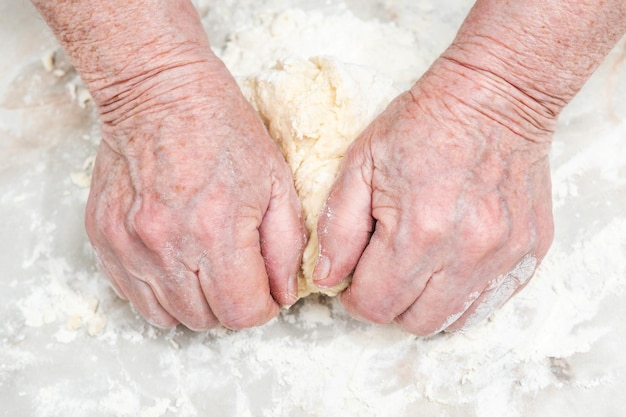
(545, 50)
(529, 79)
(124, 49)
(180, 83)
(484, 102)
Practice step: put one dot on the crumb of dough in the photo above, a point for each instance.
(96, 325)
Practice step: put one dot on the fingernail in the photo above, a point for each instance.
(322, 269)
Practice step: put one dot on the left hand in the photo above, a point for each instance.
(442, 207)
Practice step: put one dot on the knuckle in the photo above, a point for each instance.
(487, 223)
(150, 224)
(433, 235)
(486, 235)
(524, 241)
(431, 227)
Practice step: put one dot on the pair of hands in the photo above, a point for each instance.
(441, 209)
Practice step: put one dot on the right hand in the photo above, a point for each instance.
(192, 210)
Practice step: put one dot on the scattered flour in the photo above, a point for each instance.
(75, 349)
(272, 36)
(53, 301)
(501, 289)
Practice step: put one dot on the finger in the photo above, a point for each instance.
(143, 253)
(403, 253)
(138, 293)
(117, 289)
(438, 306)
(496, 294)
(451, 296)
(390, 276)
(345, 222)
(181, 295)
(143, 299)
(233, 276)
(283, 237)
(134, 249)
(151, 257)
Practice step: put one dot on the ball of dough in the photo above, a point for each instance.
(314, 109)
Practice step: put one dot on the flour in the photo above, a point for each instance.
(54, 302)
(501, 289)
(382, 48)
(69, 346)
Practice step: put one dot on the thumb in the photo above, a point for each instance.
(283, 237)
(345, 222)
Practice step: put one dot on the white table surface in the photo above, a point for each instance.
(69, 347)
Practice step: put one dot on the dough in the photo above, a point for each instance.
(314, 109)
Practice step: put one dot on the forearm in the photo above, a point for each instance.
(545, 49)
(119, 48)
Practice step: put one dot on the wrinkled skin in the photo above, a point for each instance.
(443, 195)
(192, 210)
(442, 207)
